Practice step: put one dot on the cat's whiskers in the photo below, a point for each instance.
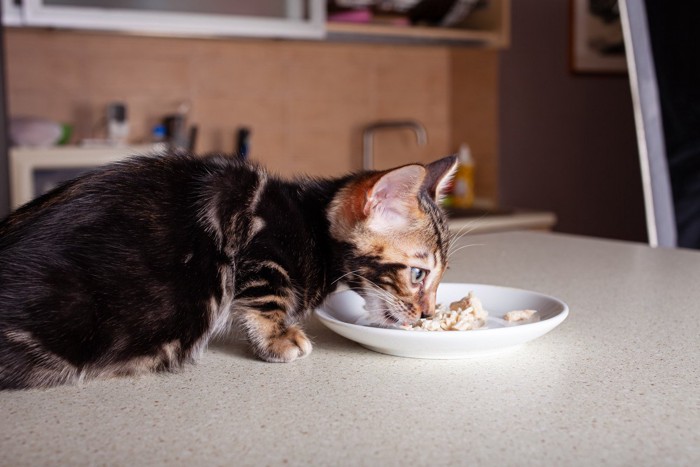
(379, 297)
(373, 290)
(345, 275)
(470, 226)
(380, 290)
(463, 247)
(392, 302)
(389, 300)
(461, 232)
(379, 317)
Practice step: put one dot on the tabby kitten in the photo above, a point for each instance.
(135, 266)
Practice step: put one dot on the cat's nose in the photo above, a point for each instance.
(427, 312)
(427, 307)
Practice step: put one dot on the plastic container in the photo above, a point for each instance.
(463, 183)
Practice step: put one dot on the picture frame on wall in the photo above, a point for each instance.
(597, 43)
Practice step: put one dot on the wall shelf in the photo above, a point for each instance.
(486, 27)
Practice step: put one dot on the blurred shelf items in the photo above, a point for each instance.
(476, 22)
(483, 23)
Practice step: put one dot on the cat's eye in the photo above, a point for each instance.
(417, 275)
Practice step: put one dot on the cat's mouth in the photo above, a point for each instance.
(389, 316)
(386, 314)
(398, 321)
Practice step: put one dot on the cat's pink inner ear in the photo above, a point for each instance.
(392, 200)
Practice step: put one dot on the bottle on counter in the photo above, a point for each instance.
(117, 124)
(158, 138)
(243, 142)
(463, 182)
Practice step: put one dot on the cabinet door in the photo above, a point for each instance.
(269, 18)
(11, 13)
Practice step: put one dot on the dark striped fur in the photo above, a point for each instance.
(135, 266)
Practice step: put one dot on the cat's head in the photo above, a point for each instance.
(395, 237)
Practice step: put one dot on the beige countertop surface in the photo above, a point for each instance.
(615, 384)
(501, 222)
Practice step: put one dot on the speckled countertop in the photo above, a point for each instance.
(615, 384)
(501, 222)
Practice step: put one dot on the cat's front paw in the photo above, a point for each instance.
(285, 347)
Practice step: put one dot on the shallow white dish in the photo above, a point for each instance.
(342, 310)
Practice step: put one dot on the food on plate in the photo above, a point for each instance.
(463, 315)
(519, 315)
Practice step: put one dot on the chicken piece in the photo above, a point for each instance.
(519, 315)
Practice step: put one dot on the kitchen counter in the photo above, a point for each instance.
(615, 384)
(486, 221)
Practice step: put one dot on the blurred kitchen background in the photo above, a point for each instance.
(312, 86)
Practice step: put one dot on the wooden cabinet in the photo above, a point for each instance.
(11, 13)
(487, 26)
(298, 19)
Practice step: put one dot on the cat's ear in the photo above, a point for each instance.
(393, 199)
(439, 175)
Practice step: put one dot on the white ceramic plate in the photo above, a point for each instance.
(342, 310)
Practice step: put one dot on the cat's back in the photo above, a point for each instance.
(145, 189)
(142, 215)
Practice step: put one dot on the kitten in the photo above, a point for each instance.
(135, 266)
